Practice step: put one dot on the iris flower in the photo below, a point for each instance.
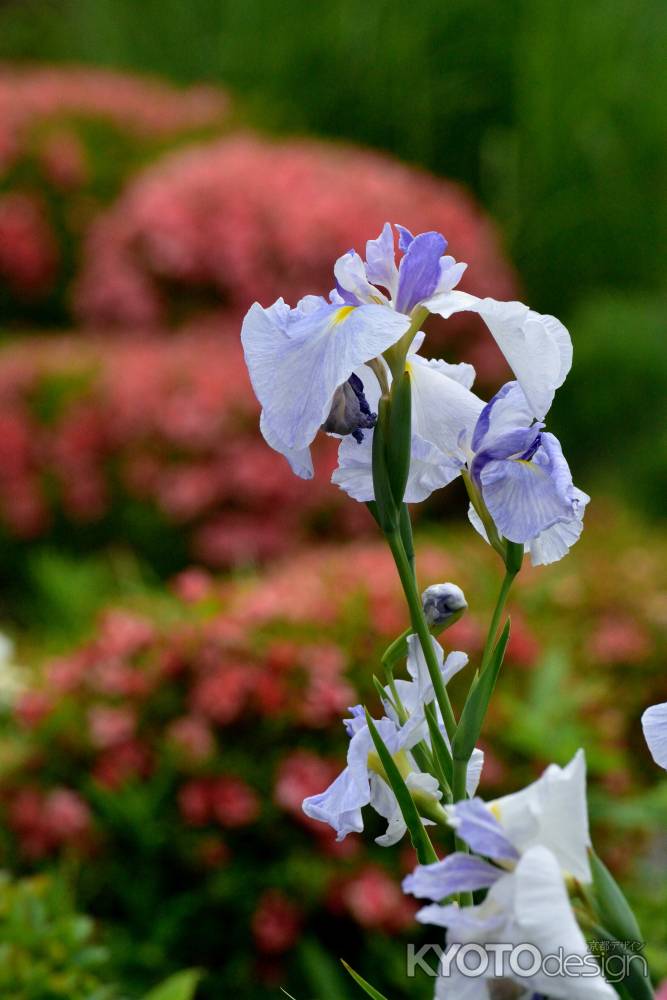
(535, 840)
(362, 783)
(302, 360)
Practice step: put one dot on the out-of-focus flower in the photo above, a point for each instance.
(374, 900)
(28, 254)
(276, 923)
(292, 210)
(233, 802)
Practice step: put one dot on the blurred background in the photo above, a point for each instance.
(183, 621)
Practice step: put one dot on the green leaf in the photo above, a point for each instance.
(477, 702)
(638, 985)
(614, 908)
(366, 987)
(398, 650)
(181, 986)
(441, 753)
(405, 529)
(398, 445)
(386, 510)
(421, 843)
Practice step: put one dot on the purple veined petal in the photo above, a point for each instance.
(521, 443)
(340, 804)
(507, 410)
(475, 823)
(524, 498)
(419, 270)
(654, 724)
(297, 360)
(555, 542)
(456, 873)
(381, 267)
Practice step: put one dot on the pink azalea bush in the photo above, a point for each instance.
(69, 137)
(88, 428)
(181, 739)
(246, 218)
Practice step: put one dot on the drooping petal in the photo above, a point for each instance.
(475, 823)
(384, 803)
(381, 261)
(297, 359)
(523, 498)
(419, 270)
(543, 917)
(554, 543)
(456, 873)
(551, 811)
(340, 804)
(300, 459)
(654, 724)
(443, 409)
(430, 470)
(537, 347)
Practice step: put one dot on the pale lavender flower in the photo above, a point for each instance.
(654, 724)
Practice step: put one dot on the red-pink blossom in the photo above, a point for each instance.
(276, 923)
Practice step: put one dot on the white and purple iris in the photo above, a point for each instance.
(531, 843)
(654, 724)
(361, 783)
(301, 360)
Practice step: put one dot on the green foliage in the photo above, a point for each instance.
(181, 986)
(611, 409)
(48, 951)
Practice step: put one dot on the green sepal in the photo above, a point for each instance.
(399, 437)
(442, 757)
(477, 702)
(366, 987)
(386, 509)
(420, 841)
(613, 907)
(514, 552)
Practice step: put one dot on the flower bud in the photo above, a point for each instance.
(443, 604)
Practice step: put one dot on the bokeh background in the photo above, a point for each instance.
(183, 621)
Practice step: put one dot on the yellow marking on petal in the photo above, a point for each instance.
(408, 368)
(342, 314)
(495, 809)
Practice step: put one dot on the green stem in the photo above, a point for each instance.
(411, 592)
(505, 587)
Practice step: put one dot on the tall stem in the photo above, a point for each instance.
(489, 645)
(411, 592)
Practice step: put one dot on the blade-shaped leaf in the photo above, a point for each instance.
(421, 843)
(181, 986)
(366, 987)
(614, 908)
(398, 650)
(477, 702)
(441, 751)
(633, 979)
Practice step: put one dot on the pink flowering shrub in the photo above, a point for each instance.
(246, 218)
(91, 432)
(179, 742)
(69, 137)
